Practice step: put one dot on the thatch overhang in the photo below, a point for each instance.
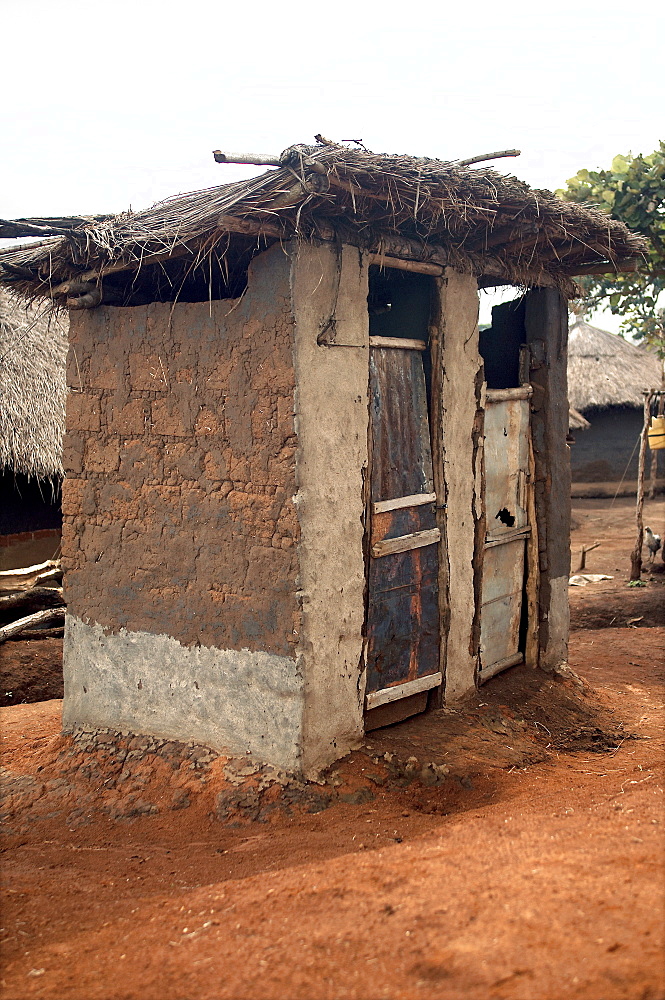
(33, 390)
(472, 218)
(605, 370)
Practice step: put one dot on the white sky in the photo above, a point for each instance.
(118, 104)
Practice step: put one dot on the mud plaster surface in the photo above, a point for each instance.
(177, 506)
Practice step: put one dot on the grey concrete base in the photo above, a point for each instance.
(232, 700)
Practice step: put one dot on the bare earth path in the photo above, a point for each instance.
(529, 866)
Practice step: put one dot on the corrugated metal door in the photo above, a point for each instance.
(403, 615)
(506, 484)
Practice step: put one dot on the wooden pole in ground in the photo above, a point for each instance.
(653, 475)
(636, 554)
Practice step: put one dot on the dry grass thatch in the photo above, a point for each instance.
(576, 422)
(474, 219)
(606, 370)
(33, 352)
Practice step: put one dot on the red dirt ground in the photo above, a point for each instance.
(512, 848)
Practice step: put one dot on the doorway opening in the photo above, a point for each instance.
(403, 614)
(508, 485)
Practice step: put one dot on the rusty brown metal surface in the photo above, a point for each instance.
(401, 454)
(403, 616)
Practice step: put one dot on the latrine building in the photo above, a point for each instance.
(303, 496)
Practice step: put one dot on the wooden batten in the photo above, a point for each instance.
(417, 266)
(532, 568)
(400, 503)
(399, 691)
(503, 395)
(405, 543)
(438, 474)
(398, 342)
(231, 224)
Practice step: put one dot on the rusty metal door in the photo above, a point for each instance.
(506, 482)
(403, 614)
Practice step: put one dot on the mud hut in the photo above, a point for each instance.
(33, 351)
(607, 376)
(302, 498)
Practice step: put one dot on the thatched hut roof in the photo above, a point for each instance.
(33, 351)
(606, 370)
(576, 422)
(472, 218)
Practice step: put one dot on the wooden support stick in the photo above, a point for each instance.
(231, 224)
(636, 554)
(399, 343)
(417, 266)
(38, 633)
(583, 554)
(488, 156)
(51, 614)
(35, 597)
(621, 267)
(256, 159)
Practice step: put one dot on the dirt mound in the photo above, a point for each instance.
(521, 717)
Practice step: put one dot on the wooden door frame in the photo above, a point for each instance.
(435, 696)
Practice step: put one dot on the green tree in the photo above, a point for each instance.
(632, 191)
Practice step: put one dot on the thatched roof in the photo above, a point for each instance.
(33, 351)
(576, 422)
(472, 218)
(606, 370)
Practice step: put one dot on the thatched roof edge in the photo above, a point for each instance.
(474, 219)
(33, 390)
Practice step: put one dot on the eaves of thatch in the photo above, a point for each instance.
(605, 370)
(33, 352)
(472, 218)
(576, 422)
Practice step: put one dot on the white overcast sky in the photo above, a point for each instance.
(110, 105)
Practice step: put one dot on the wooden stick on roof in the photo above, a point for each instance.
(257, 159)
(488, 156)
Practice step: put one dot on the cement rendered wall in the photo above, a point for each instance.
(460, 429)
(546, 320)
(180, 532)
(332, 416)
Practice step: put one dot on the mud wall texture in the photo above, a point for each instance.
(180, 458)
(546, 321)
(332, 416)
(462, 467)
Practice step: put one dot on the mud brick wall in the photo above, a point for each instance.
(177, 505)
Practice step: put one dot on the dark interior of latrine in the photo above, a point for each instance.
(501, 345)
(28, 504)
(218, 273)
(400, 305)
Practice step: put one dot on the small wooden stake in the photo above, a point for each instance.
(583, 554)
(636, 554)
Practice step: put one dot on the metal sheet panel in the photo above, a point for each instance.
(503, 583)
(403, 614)
(506, 464)
(506, 479)
(401, 453)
